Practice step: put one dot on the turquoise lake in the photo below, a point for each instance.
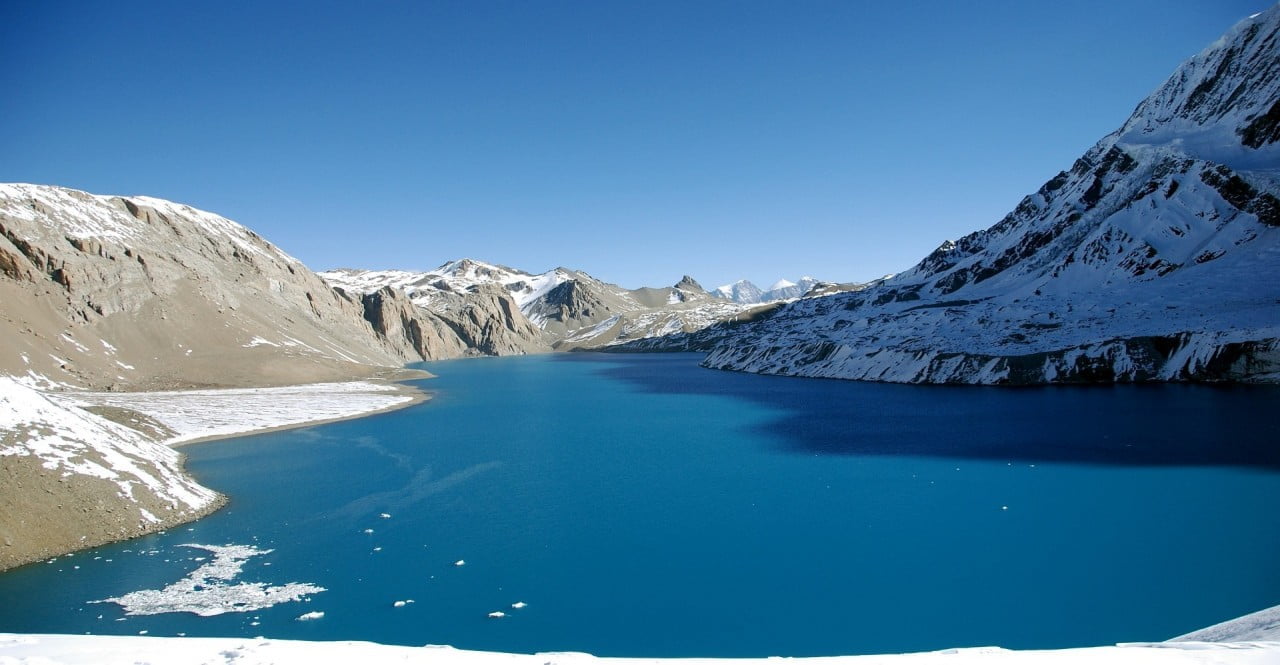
(643, 506)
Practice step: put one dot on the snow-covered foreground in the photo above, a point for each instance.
(200, 414)
(86, 650)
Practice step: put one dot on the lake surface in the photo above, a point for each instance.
(643, 506)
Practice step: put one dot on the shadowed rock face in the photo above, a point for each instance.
(1144, 261)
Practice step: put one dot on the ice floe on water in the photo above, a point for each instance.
(310, 616)
(209, 590)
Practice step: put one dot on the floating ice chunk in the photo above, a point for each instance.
(377, 549)
(385, 516)
(519, 605)
(460, 562)
(368, 530)
(1004, 507)
(398, 603)
(208, 591)
(310, 616)
(497, 615)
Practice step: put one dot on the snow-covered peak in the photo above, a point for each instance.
(744, 292)
(1223, 104)
(458, 276)
(781, 284)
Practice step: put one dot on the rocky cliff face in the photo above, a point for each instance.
(414, 332)
(488, 320)
(139, 293)
(1147, 260)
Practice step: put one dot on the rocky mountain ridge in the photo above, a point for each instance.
(140, 293)
(747, 293)
(570, 308)
(1148, 260)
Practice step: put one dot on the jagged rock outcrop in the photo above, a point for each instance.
(1150, 259)
(411, 330)
(487, 319)
(573, 305)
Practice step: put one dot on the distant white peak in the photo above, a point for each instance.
(467, 267)
(728, 288)
(782, 284)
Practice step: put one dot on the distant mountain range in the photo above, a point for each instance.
(572, 309)
(747, 293)
(1154, 257)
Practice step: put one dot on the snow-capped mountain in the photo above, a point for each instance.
(1152, 258)
(573, 309)
(746, 293)
(741, 291)
(787, 290)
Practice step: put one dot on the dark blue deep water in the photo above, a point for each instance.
(641, 505)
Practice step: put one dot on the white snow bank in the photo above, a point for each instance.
(96, 650)
(207, 590)
(1261, 625)
(196, 414)
(71, 441)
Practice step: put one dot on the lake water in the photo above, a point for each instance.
(641, 505)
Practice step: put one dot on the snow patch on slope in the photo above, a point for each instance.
(70, 441)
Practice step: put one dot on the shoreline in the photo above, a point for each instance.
(223, 413)
(127, 649)
(416, 396)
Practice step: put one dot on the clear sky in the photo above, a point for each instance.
(637, 141)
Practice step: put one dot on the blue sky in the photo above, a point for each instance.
(638, 141)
